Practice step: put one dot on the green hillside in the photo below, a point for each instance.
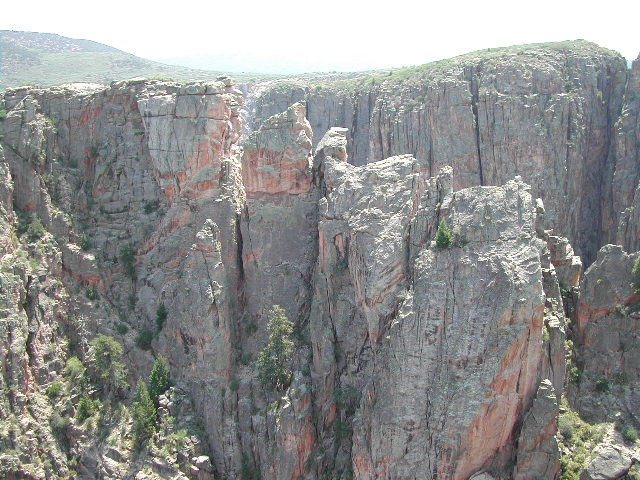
(44, 59)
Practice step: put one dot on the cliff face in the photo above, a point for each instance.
(411, 360)
(627, 154)
(445, 365)
(546, 112)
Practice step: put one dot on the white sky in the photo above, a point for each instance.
(332, 34)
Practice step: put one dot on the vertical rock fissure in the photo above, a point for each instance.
(473, 85)
(606, 206)
(239, 251)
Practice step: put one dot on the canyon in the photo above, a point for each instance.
(215, 202)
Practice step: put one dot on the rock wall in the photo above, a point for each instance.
(607, 327)
(411, 360)
(421, 330)
(552, 113)
(627, 155)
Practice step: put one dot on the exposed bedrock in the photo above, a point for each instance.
(606, 380)
(441, 349)
(412, 360)
(563, 116)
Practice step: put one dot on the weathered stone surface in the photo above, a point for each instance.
(98, 151)
(567, 266)
(347, 249)
(277, 158)
(546, 112)
(278, 224)
(411, 361)
(625, 195)
(606, 285)
(481, 476)
(417, 336)
(609, 463)
(190, 132)
(607, 345)
(537, 443)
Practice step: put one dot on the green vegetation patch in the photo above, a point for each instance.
(274, 361)
(443, 235)
(577, 440)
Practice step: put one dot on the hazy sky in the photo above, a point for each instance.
(327, 35)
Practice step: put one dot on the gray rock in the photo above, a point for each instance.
(609, 463)
(547, 112)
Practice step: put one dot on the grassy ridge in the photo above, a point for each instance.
(28, 58)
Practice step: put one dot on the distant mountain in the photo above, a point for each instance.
(46, 59)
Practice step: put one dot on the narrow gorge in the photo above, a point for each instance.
(170, 218)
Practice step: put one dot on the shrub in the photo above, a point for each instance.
(343, 430)
(74, 369)
(85, 243)
(59, 424)
(635, 275)
(87, 407)
(144, 338)
(92, 293)
(151, 207)
(122, 328)
(234, 385)
(566, 427)
(35, 229)
(575, 374)
(159, 379)
(245, 358)
(602, 385)
(53, 390)
(60, 428)
(128, 259)
(161, 316)
(629, 434)
(175, 442)
(345, 397)
(144, 416)
(274, 361)
(443, 235)
(105, 359)
(3, 114)
(576, 438)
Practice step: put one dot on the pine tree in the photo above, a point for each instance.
(274, 361)
(159, 380)
(106, 356)
(161, 316)
(144, 416)
(443, 235)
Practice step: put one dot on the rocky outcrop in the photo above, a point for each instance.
(609, 463)
(537, 444)
(627, 175)
(82, 186)
(412, 360)
(419, 336)
(278, 226)
(228, 232)
(546, 112)
(607, 328)
(279, 220)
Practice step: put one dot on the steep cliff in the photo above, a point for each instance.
(140, 211)
(546, 112)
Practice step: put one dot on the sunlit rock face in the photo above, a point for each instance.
(412, 360)
(547, 112)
